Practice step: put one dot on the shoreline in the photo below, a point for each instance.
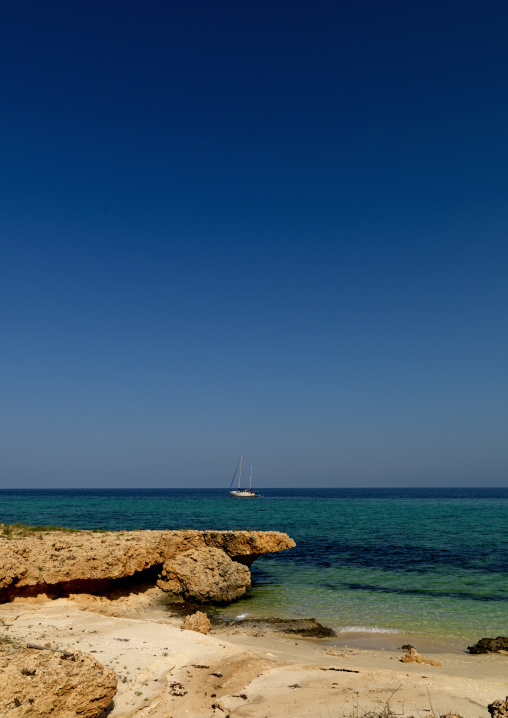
(255, 674)
(108, 562)
(375, 637)
(371, 639)
(121, 598)
(428, 581)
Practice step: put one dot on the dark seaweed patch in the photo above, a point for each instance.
(392, 557)
(413, 591)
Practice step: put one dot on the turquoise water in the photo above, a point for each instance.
(432, 562)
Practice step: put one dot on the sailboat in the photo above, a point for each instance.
(240, 493)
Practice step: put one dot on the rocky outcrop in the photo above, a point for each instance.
(241, 546)
(246, 546)
(59, 563)
(498, 709)
(414, 657)
(490, 645)
(40, 683)
(205, 575)
(198, 621)
(58, 558)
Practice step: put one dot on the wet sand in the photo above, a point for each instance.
(393, 641)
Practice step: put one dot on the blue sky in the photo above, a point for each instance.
(272, 229)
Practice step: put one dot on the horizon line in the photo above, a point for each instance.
(209, 488)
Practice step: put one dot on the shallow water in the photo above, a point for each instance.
(427, 561)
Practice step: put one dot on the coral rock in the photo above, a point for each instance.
(59, 563)
(40, 683)
(498, 709)
(205, 575)
(199, 622)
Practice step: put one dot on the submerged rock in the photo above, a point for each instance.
(43, 683)
(306, 627)
(490, 645)
(205, 575)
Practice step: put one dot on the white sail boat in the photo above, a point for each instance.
(240, 493)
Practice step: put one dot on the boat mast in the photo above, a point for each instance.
(240, 473)
(250, 480)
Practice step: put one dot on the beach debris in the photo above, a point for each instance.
(498, 709)
(414, 657)
(295, 685)
(47, 647)
(216, 674)
(406, 647)
(176, 689)
(490, 645)
(198, 622)
(335, 668)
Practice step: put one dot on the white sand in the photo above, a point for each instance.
(261, 676)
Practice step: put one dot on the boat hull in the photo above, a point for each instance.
(243, 494)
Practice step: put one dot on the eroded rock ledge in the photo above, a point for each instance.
(200, 565)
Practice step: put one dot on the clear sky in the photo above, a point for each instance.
(269, 228)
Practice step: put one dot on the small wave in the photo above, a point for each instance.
(241, 616)
(366, 629)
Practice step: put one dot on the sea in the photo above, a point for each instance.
(428, 562)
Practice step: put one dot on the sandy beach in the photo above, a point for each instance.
(166, 672)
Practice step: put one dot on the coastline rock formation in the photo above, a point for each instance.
(205, 575)
(42, 683)
(490, 645)
(59, 563)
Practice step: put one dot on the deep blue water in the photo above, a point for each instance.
(431, 561)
